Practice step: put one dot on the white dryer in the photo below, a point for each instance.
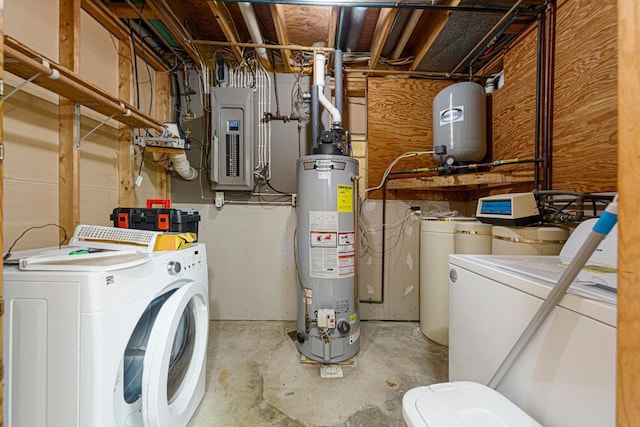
(106, 339)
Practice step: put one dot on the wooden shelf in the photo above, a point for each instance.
(25, 63)
(463, 182)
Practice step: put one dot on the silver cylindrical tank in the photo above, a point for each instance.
(328, 323)
(460, 123)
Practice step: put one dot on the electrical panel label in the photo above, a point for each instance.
(452, 115)
(345, 198)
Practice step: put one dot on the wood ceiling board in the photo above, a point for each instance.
(277, 12)
(308, 24)
(201, 17)
(333, 27)
(171, 18)
(226, 22)
(124, 11)
(385, 21)
(370, 20)
(266, 22)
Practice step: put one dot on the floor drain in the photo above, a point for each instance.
(331, 371)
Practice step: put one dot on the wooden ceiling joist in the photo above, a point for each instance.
(225, 21)
(279, 21)
(171, 19)
(124, 11)
(98, 11)
(383, 27)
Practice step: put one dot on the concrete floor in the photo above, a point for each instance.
(255, 378)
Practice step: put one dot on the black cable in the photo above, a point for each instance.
(277, 191)
(64, 239)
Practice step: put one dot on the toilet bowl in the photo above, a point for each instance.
(461, 404)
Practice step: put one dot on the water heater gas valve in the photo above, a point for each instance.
(326, 318)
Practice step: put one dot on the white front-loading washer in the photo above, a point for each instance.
(99, 340)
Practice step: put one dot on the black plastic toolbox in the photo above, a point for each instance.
(157, 219)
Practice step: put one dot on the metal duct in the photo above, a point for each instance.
(356, 24)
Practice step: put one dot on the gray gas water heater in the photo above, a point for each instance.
(328, 323)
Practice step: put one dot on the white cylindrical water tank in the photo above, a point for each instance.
(436, 243)
(543, 240)
(460, 123)
(472, 237)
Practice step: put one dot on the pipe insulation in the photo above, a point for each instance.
(182, 166)
(319, 64)
(337, 73)
(356, 25)
(249, 17)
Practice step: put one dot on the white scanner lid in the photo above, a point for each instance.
(461, 404)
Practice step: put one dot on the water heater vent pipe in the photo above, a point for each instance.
(319, 64)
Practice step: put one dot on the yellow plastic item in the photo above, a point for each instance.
(174, 241)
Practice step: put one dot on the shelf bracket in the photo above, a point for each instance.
(77, 138)
(20, 86)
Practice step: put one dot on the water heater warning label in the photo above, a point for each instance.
(331, 252)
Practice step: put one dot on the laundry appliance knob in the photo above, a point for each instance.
(174, 267)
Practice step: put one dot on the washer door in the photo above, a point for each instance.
(174, 363)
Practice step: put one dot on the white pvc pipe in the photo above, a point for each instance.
(252, 25)
(319, 76)
(182, 167)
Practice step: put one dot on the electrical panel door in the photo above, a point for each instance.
(232, 138)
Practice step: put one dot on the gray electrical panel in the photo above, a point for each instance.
(232, 121)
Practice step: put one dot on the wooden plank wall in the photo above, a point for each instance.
(628, 380)
(398, 121)
(584, 129)
(584, 120)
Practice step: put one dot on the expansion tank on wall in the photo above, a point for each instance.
(328, 323)
(460, 123)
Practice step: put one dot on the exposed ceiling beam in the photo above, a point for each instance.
(333, 26)
(172, 19)
(429, 33)
(123, 11)
(98, 11)
(406, 33)
(380, 34)
(226, 24)
(279, 21)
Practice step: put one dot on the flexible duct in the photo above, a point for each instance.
(319, 75)
(182, 166)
